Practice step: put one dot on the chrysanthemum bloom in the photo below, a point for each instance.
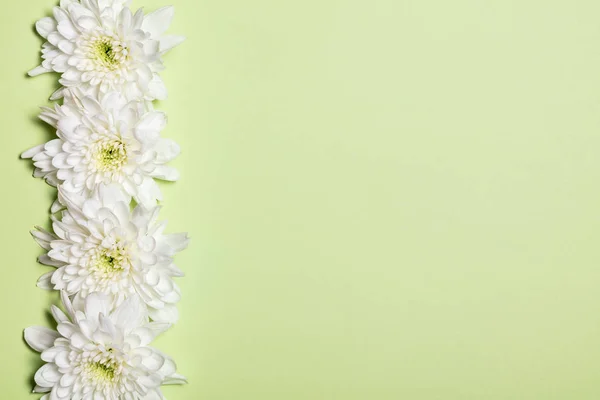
(102, 246)
(101, 353)
(110, 141)
(99, 46)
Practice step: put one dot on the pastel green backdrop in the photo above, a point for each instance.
(387, 199)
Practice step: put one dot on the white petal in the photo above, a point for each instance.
(40, 338)
(58, 94)
(154, 362)
(68, 305)
(67, 29)
(148, 193)
(44, 26)
(71, 74)
(66, 3)
(67, 329)
(175, 379)
(41, 389)
(158, 327)
(112, 194)
(150, 125)
(166, 150)
(157, 22)
(50, 354)
(87, 23)
(91, 105)
(167, 42)
(168, 367)
(150, 381)
(96, 304)
(44, 282)
(33, 151)
(67, 380)
(157, 89)
(153, 394)
(165, 173)
(58, 314)
(56, 207)
(177, 241)
(144, 75)
(129, 315)
(43, 237)
(47, 375)
(38, 71)
(168, 314)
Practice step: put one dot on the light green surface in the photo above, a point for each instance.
(388, 199)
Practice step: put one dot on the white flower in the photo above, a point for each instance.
(102, 246)
(110, 141)
(99, 46)
(101, 353)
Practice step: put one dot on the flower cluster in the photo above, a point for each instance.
(111, 260)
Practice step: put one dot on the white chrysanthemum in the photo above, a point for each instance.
(110, 141)
(101, 353)
(102, 246)
(100, 46)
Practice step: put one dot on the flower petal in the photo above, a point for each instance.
(45, 281)
(129, 315)
(96, 304)
(167, 42)
(44, 26)
(156, 23)
(47, 375)
(40, 338)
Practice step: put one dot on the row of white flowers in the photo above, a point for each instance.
(111, 260)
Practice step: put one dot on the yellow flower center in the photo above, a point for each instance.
(108, 52)
(110, 156)
(108, 263)
(102, 371)
(111, 261)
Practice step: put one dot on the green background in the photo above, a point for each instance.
(388, 199)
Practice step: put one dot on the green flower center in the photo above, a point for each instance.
(111, 261)
(100, 371)
(105, 52)
(108, 52)
(108, 263)
(110, 156)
